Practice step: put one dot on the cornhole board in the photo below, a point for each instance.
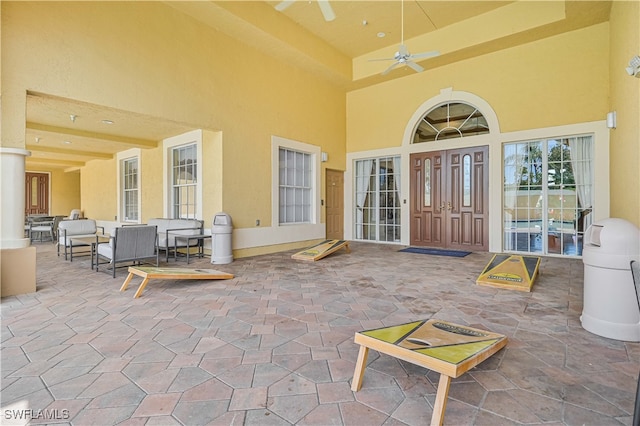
(150, 272)
(321, 250)
(510, 271)
(441, 346)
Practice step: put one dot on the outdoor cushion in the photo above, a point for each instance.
(175, 227)
(67, 229)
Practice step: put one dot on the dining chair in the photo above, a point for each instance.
(41, 226)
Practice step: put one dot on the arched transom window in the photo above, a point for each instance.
(450, 120)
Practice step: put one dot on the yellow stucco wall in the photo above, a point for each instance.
(98, 189)
(173, 67)
(555, 81)
(66, 187)
(151, 172)
(625, 100)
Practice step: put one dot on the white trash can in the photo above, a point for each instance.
(610, 306)
(221, 235)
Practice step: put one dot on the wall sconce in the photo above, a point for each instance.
(634, 67)
(325, 157)
(611, 120)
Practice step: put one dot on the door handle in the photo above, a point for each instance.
(442, 207)
(449, 205)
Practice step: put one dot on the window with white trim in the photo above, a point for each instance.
(184, 181)
(377, 199)
(130, 189)
(295, 186)
(548, 194)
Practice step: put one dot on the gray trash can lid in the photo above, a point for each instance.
(222, 219)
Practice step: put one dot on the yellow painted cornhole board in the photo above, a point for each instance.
(148, 273)
(510, 271)
(321, 250)
(447, 348)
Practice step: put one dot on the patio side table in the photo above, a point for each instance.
(199, 243)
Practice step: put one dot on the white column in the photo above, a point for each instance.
(12, 169)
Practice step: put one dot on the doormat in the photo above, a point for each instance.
(510, 271)
(437, 252)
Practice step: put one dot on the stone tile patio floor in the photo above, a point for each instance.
(274, 345)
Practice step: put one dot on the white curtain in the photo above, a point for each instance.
(396, 175)
(364, 169)
(581, 163)
(515, 156)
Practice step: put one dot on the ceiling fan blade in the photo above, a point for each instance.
(425, 55)
(327, 10)
(284, 4)
(416, 67)
(385, 72)
(382, 59)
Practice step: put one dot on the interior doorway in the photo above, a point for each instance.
(36, 193)
(335, 204)
(449, 199)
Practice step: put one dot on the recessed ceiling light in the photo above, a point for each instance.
(381, 34)
(107, 121)
(67, 142)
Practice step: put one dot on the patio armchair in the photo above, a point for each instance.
(129, 244)
(169, 228)
(70, 229)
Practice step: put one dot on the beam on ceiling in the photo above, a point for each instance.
(76, 152)
(133, 142)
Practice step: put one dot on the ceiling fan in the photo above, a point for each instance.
(325, 7)
(402, 56)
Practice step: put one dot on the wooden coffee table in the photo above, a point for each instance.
(438, 345)
(149, 272)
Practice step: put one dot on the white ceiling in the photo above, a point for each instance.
(56, 140)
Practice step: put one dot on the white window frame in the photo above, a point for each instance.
(123, 156)
(295, 186)
(315, 152)
(545, 228)
(379, 225)
(168, 145)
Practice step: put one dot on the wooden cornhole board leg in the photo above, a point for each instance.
(441, 400)
(126, 282)
(361, 364)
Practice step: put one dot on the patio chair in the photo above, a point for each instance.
(129, 244)
(635, 273)
(42, 225)
(74, 215)
(69, 229)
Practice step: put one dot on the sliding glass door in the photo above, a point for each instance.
(377, 199)
(547, 195)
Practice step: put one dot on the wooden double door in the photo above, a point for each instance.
(449, 199)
